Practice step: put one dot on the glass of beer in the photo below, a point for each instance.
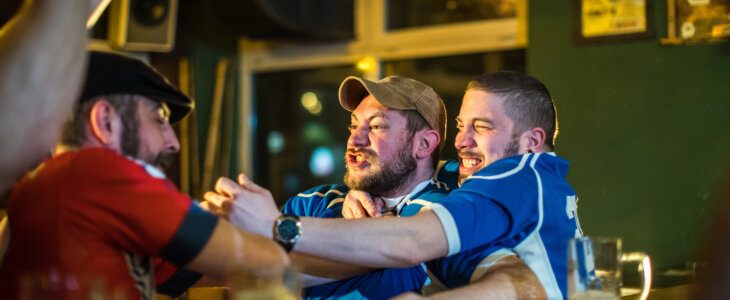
(594, 268)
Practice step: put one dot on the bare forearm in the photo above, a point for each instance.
(325, 268)
(233, 250)
(378, 243)
(508, 278)
(42, 59)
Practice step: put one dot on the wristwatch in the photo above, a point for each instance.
(287, 231)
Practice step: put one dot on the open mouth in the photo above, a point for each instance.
(469, 165)
(356, 158)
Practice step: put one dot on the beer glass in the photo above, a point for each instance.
(283, 286)
(594, 268)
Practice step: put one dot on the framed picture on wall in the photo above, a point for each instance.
(697, 21)
(598, 21)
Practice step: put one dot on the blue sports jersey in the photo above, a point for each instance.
(325, 201)
(522, 203)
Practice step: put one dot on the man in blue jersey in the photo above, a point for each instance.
(513, 194)
(397, 130)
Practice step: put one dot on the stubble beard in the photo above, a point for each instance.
(387, 176)
(131, 144)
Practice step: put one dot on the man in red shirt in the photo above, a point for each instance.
(101, 207)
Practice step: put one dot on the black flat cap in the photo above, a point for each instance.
(111, 74)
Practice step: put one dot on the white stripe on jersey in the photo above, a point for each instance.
(532, 250)
(489, 261)
(505, 174)
(420, 201)
(449, 225)
(339, 200)
(319, 194)
(539, 190)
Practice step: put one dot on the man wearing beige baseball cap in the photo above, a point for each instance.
(397, 129)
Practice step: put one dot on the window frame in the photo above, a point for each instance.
(372, 42)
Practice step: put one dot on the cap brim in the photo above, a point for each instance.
(352, 91)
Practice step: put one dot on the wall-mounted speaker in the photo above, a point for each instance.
(143, 25)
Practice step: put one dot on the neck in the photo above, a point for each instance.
(422, 173)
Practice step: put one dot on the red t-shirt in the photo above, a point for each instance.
(93, 215)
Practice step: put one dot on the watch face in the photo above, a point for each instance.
(288, 230)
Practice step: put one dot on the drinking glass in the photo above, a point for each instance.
(594, 268)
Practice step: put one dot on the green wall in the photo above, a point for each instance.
(645, 127)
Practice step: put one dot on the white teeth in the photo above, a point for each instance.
(468, 163)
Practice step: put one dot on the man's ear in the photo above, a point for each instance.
(100, 119)
(533, 140)
(427, 142)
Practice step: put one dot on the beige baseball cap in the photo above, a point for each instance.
(400, 93)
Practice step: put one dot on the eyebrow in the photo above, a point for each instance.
(485, 120)
(370, 118)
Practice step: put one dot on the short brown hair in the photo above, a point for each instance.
(526, 101)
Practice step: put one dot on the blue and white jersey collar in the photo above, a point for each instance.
(397, 203)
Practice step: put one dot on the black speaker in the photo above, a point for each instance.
(143, 25)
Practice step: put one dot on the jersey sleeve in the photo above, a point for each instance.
(495, 205)
(133, 206)
(172, 280)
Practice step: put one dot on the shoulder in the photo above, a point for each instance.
(323, 191)
(100, 162)
(447, 173)
(316, 200)
(433, 193)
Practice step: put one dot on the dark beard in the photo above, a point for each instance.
(131, 141)
(512, 149)
(130, 133)
(386, 177)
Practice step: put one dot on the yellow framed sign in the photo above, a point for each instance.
(611, 20)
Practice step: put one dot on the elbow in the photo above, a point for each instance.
(405, 254)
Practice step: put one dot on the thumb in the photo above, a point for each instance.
(379, 205)
(371, 207)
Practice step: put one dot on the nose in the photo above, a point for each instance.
(358, 137)
(464, 140)
(172, 144)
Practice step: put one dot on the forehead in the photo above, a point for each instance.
(370, 108)
(480, 104)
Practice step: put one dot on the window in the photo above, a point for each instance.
(300, 129)
(411, 38)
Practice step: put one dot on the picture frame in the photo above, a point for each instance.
(611, 21)
(697, 22)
